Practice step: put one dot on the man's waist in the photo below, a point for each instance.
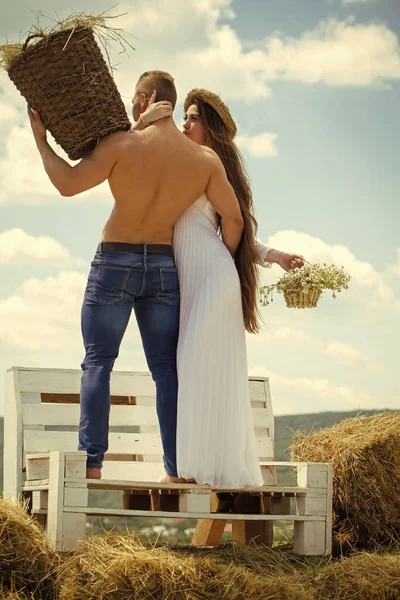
(144, 248)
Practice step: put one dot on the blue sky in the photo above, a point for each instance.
(314, 88)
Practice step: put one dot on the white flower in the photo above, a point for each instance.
(309, 278)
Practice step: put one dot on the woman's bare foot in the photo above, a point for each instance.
(169, 479)
(93, 473)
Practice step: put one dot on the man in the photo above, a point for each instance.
(154, 176)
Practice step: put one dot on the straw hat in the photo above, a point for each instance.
(216, 103)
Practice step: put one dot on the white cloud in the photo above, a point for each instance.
(200, 51)
(298, 395)
(296, 338)
(22, 176)
(358, 1)
(395, 269)
(259, 146)
(336, 53)
(45, 314)
(18, 247)
(349, 355)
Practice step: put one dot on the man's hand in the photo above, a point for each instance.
(38, 129)
(288, 262)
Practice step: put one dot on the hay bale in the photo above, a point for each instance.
(360, 577)
(64, 76)
(365, 452)
(7, 595)
(27, 563)
(114, 567)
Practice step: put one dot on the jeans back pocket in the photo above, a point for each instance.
(110, 283)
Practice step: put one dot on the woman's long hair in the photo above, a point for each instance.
(246, 256)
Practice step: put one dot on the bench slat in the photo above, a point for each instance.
(68, 415)
(54, 415)
(68, 382)
(119, 443)
(121, 512)
(66, 441)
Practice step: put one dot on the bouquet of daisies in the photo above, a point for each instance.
(303, 287)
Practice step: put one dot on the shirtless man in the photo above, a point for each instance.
(154, 176)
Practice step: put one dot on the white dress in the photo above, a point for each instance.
(215, 434)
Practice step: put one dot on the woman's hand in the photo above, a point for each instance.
(288, 261)
(154, 112)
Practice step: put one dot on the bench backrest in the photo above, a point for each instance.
(41, 413)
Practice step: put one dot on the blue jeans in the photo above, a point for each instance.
(118, 282)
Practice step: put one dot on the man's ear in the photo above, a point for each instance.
(144, 102)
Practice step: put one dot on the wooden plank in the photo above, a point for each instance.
(40, 500)
(195, 502)
(55, 415)
(30, 398)
(173, 487)
(67, 381)
(269, 475)
(309, 538)
(68, 415)
(208, 532)
(270, 413)
(60, 398)
(255, 532)
(119, 443)
(56, 498)
(312, 475)
(74, 530)
(112, 484)
(12, 487)
(75, 465)
(133, 471)
(329, 511)
(120, 512)
(314, 503)
(76, 496)
(257, 391)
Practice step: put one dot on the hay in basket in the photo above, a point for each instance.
(62, 74)
(303, 287)
(365, 452)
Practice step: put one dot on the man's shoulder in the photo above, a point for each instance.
(119, 138)
(211, 158)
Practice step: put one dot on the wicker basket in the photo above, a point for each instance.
(66, 79)
(302, 299)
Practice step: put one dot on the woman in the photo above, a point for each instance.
(215, 436)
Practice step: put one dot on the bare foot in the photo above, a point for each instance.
(169, 479)
(93, 473)
(191, 480)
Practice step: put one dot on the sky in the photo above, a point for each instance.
(314, 89)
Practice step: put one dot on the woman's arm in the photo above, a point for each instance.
(263, 254)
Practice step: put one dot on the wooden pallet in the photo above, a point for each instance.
(63, 497)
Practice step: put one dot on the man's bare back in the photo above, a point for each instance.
(158, 174)
(154, 176)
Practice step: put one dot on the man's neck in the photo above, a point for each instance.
(166, 124)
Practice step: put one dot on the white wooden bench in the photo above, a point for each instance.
(41, 415)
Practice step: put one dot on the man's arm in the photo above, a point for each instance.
(221, 195)
(89, 172)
